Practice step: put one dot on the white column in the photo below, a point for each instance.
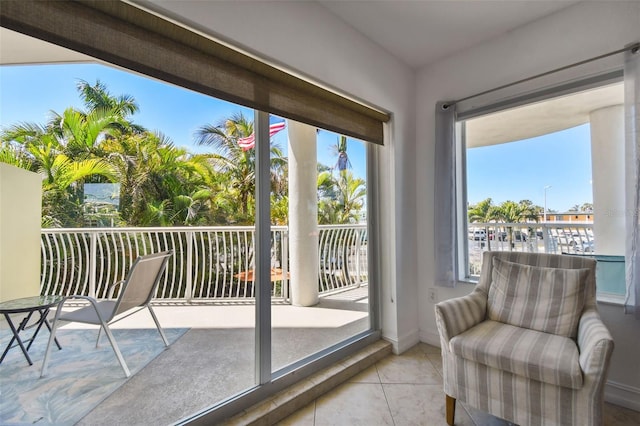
(303, 213)
(607, 162)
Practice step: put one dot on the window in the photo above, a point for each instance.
(541, 177)
(157, 48)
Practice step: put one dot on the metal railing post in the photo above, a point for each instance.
(358, 257)
(285, 264)
(189, 272)
(546, 235)
(93, 255)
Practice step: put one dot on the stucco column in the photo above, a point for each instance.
(607, 163)
(303, 213)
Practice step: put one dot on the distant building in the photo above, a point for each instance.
(579, 217)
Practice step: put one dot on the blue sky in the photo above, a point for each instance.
(29, 93)
(512, 171)
(520, 170)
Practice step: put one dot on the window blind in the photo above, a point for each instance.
(129, 37)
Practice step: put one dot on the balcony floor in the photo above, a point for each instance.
(211, 359)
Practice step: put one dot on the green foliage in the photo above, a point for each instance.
(341, 198)
(160, 184)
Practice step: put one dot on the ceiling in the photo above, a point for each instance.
(420, 32)
(417, 32)
(541, 118)
(16, 48)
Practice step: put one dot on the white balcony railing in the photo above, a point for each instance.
(558, 238)
(210, 263)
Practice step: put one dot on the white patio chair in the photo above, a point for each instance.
(136, 292)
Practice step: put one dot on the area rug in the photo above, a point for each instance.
(79, 376)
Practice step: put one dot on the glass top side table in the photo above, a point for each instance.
(28, 305)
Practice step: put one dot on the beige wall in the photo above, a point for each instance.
(20, 206)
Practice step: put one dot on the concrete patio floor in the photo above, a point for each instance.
(214, 359)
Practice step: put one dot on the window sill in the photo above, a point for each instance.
(610, 298)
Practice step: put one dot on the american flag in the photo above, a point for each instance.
(250, 141)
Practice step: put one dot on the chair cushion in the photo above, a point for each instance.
(535, 355)
(550, 300)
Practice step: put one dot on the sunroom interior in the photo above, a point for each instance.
(398, 60)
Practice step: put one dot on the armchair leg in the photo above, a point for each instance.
(451, 409)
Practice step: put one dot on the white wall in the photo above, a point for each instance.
(305, 38)
(582, 31)
(20, 206)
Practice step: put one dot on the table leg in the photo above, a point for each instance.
(16, 337)
(43, 320)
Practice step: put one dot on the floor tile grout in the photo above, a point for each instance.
(388, 406)
(462, 410)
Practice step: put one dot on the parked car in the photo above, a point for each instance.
(477, 235)
(584, 247)
(519, 236)
(574, 239)
(498, 235)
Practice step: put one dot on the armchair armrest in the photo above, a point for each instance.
(457, 315)
(594, 342)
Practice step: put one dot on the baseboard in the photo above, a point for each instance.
(430, 338)
(622, 395)
(403, 343)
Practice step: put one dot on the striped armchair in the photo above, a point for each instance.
(527, 344)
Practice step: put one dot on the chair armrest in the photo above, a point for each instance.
(594, 342)
(93, 302)
(112, 287)
(457, 315)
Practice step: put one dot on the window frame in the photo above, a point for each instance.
(40, 20)
(518, 100)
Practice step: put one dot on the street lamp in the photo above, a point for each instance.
(545, 203)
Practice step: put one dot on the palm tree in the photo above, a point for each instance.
(586, 207)
(341, 199)
(484, 212)
(42, 150)
(62, 191)
(81, 135)
(98, 97)
(157, 177)
(239, 164)
(512, 212)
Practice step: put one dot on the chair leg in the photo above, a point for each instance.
(451, 409)
(98, 339)
(52, 338)
(116, 349)
(155, 319)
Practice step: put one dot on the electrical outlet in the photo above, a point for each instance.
(433, 296)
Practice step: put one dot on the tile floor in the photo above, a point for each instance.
(407, 390)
